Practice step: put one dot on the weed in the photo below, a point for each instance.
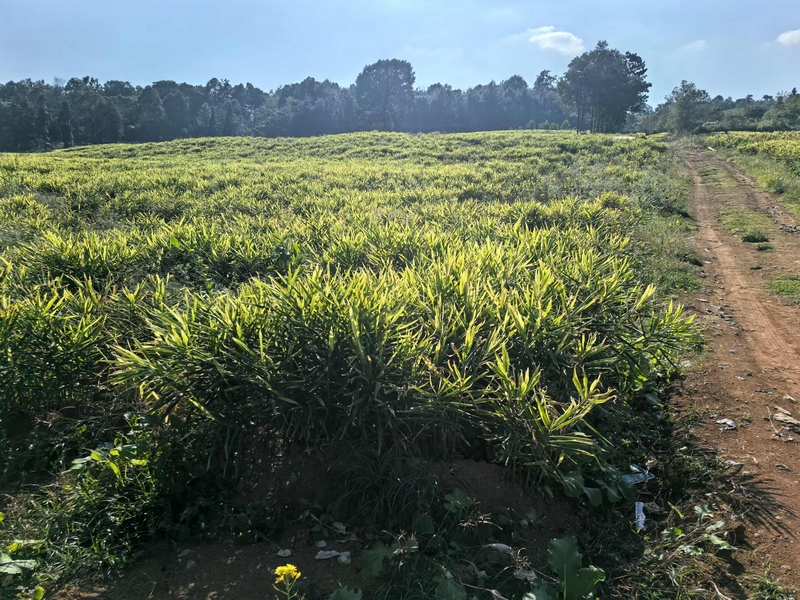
(747, 224)
(790, 286)
(755, 236)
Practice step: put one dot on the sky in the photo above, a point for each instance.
(728, 47)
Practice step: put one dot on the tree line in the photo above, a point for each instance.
(689, 109)
(600, 91)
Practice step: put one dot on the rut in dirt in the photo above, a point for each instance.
(750, 375)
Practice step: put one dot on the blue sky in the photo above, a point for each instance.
(728, 47)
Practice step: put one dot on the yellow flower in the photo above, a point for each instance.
(286, 572)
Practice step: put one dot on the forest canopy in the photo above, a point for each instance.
(603, 90)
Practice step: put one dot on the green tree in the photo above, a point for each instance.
(688, 108)
(65, 125)
(22, 132)
(176, 109)
(385, 94)
(605, 86)
(106, 123)
(151, 120)
(232, 121)
(212, 122)
(42, 122)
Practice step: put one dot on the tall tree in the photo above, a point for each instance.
(65, 125)
(212, 122)
(20, 130)
(605, 86)
(231, 122)
(151, 119)
(688, 108)
(42, 122)
(106, 123)
(385, 94)
(176, 110)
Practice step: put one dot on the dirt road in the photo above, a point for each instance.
(750, 374)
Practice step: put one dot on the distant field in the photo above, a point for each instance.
(423, 295)
(773, 159)
(783, 146)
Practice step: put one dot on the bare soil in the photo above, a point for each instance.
(750, 372)
(212, 571)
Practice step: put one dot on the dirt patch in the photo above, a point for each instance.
(206, 571)
(751, 370)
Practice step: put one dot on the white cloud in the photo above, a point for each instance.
(789, 38)
(549, 38)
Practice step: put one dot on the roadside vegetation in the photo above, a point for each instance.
(178, 319)
(749, 225)
(772, 159)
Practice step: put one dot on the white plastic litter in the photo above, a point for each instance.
(639, 516)
(344, 558)
(729, 425)
(284, 553)
(326, 554)
(321, 544)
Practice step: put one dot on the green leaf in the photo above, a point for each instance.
(588, 578)
(573, 484)
(425, 525)
(703, 510)
(691, 550)
(17, 545)
(541, 591)
(9, 566)
(531, 515)
(719, 542)
(613, 494)
(372, 560)
(672, 534)
(457, 500)
(450, 589)
(594, 494)
(38, 593)
(346, 593)
(715, 526)
(174, 242)
(565, 560)
(652, 400)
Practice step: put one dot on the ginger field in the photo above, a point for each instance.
(167, 309)
(782, 147)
